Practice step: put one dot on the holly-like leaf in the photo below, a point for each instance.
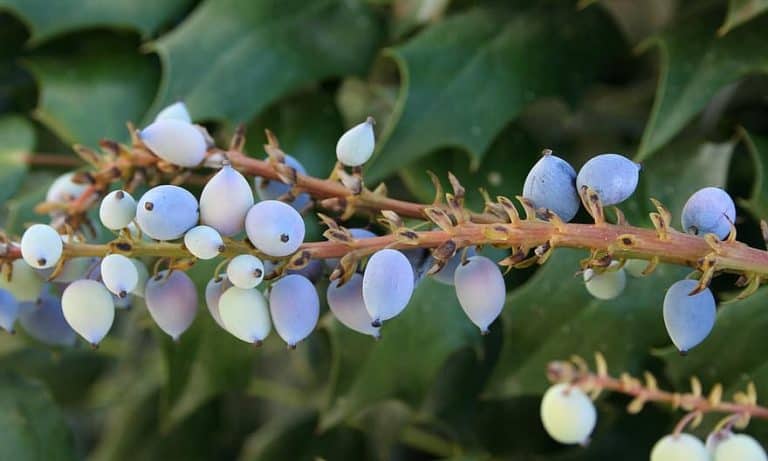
(256, 52)
(33, 426)
(48, 19)
(90, 94)
(466, 77)
(740, 12)
(17, 139)
(695, 65)
(433, 324)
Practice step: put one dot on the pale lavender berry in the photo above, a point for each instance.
(612, 176)
(709, 211)
(551, 184)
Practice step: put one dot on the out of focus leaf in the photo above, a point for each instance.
(433, 324)
(32, 426)
(257, 52)
(757, 204)
(465, 78)
(47, 19)
(89, 94)
(740, 12)
(17, 140)
(502, 170)
(695, 65)
(19, 210)
(295, 437)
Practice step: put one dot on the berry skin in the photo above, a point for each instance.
(551, 184)
(25, 285)
(203, 242)
(480, 288)
(176, 111)
(9, 310)
(388, 283)
(275, 228)
(446, 274)
(709, 211)
(88, 308)
(225, 200)
(635, 267)
(606, 285)
(171, 301)
(245, 271)
(64, 190)
(119, 274)
(44, 320)
(245, 314)
(356, 146)
(568, 415)
(213, 291)
(273, 190)
(41, 246)
(175, 141)
(117, 210)
(689, 319)
(166, 212)
(680, 447)
(613, 177)
(295, 308)
(738, 447)
(143, 275)
(346, 303)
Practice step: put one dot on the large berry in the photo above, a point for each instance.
(612, 176)
(709, 211)
(551, 184)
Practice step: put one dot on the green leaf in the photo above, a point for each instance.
(257, 52)
(502, 170)
(90, 94)
(33, 427)
(552, 316)
(468, 76)
(740, 12)
(433, 324)
(695, 65)
(17, 139)
(48, 19)
(757, 204)
(295, 437)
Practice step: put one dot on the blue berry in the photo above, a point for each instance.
(612, 176)
(551, 184)
(273, 190)
(689, 319)
(709, 211)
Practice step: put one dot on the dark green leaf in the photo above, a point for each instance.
(47, 19)
(257, 52)
(17, 140)
(695, 65)
(33, 427)
(433, 324)
(757, 204)
(465, 78)
(90, 95)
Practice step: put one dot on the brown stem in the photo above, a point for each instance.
(692, 402)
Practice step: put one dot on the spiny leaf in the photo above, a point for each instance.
(468, 76)
(257, 52)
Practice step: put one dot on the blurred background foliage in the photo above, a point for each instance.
(469, 86)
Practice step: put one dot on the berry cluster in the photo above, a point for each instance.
(57, 284)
